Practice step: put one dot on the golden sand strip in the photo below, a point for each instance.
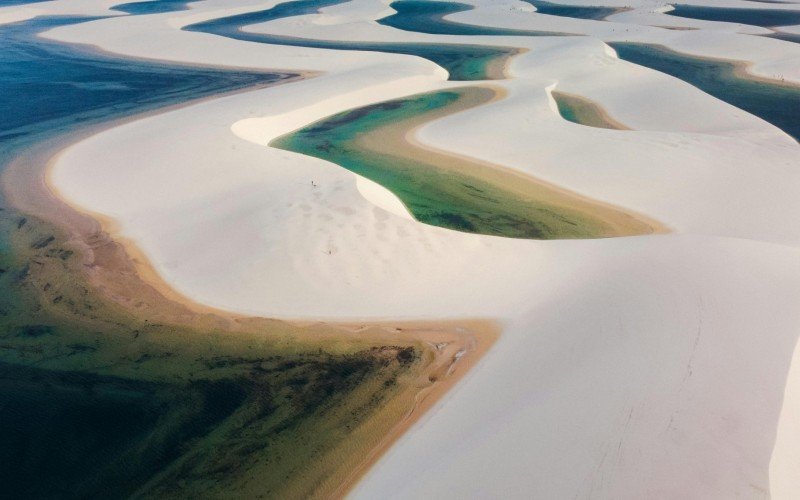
(743, 70)
(399, 139)
(499, 67)
(119, 272)
(588, 112)
(456, 347)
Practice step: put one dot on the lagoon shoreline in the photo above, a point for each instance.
(119, 272)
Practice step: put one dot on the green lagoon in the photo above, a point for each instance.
(444, 190)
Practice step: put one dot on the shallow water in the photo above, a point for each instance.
(575, 12)
(775, 103)
(154, 6)
(48, 88)
(428, 17)
(463, 62)
(68, 432)
(754, 17)
(465, 196)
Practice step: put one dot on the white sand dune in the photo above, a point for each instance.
(646, 367)
(628, 373)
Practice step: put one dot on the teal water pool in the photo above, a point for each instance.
(776, 103)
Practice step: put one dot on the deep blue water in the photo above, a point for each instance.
(428, 17)
(754, 17)
(774, 103)
(8, 3)
(576, 12)
(229, 26)
(463, 62)
(153, 6)
(47, 88)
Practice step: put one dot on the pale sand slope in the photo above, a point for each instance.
(632, 367)
(630, 374)
(785, 465)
